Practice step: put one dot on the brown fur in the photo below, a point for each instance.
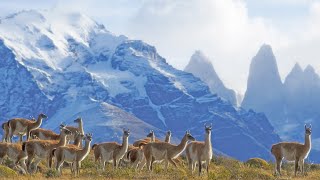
(198, 152)
(73, 155)
(111, 151)
(144, 141)
(74, 130)
(23, 126)
(292, 151)
(168, 137)
(159, 151)
(135, 155)
(44, 134)
(5, 136)
(13, 152)
(42, 148)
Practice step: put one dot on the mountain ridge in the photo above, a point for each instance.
(84, 70)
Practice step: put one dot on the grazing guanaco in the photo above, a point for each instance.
(75, 129)
(73, 155)
(24, 126)
(14, 152)
(41, 149)
(111, 151)
(144, 141)
(292, 151)
(135, 155)
(44, 134)
(158, 151)
(199, 152)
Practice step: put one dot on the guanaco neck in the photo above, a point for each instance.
(63, 140)
(124, 146)
(78, 141)
(207, 141)
(307, 141)
(167, 139)
(38, 123)
(86, 148)
(153, 138)
(81, 126)
(179, 148)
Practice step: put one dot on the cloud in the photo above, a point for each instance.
(230, 32)
(222, 29)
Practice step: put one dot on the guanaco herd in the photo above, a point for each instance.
(43, 144)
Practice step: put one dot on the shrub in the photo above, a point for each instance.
(258, 163)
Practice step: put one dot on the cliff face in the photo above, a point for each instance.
(265, 91)
(201, 67)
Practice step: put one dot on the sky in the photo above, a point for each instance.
(229, 32)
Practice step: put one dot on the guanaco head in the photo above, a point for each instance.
(151, 134)
(189, 136)
(78, 120)
(88, 137)
(43, 116)
(64, 130)
(126, 133)
(307, 129)
(208, 128)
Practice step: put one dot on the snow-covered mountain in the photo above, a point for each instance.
(67, 65)
(200, 66)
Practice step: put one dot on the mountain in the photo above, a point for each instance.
(68, 65)
(265, 92)
(289, 105)
(201, 67)
(302, 90)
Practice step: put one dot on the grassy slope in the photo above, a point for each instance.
(221, 168)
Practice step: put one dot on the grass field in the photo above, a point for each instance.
(220, 168)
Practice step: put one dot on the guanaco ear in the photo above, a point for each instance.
(305, 126)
